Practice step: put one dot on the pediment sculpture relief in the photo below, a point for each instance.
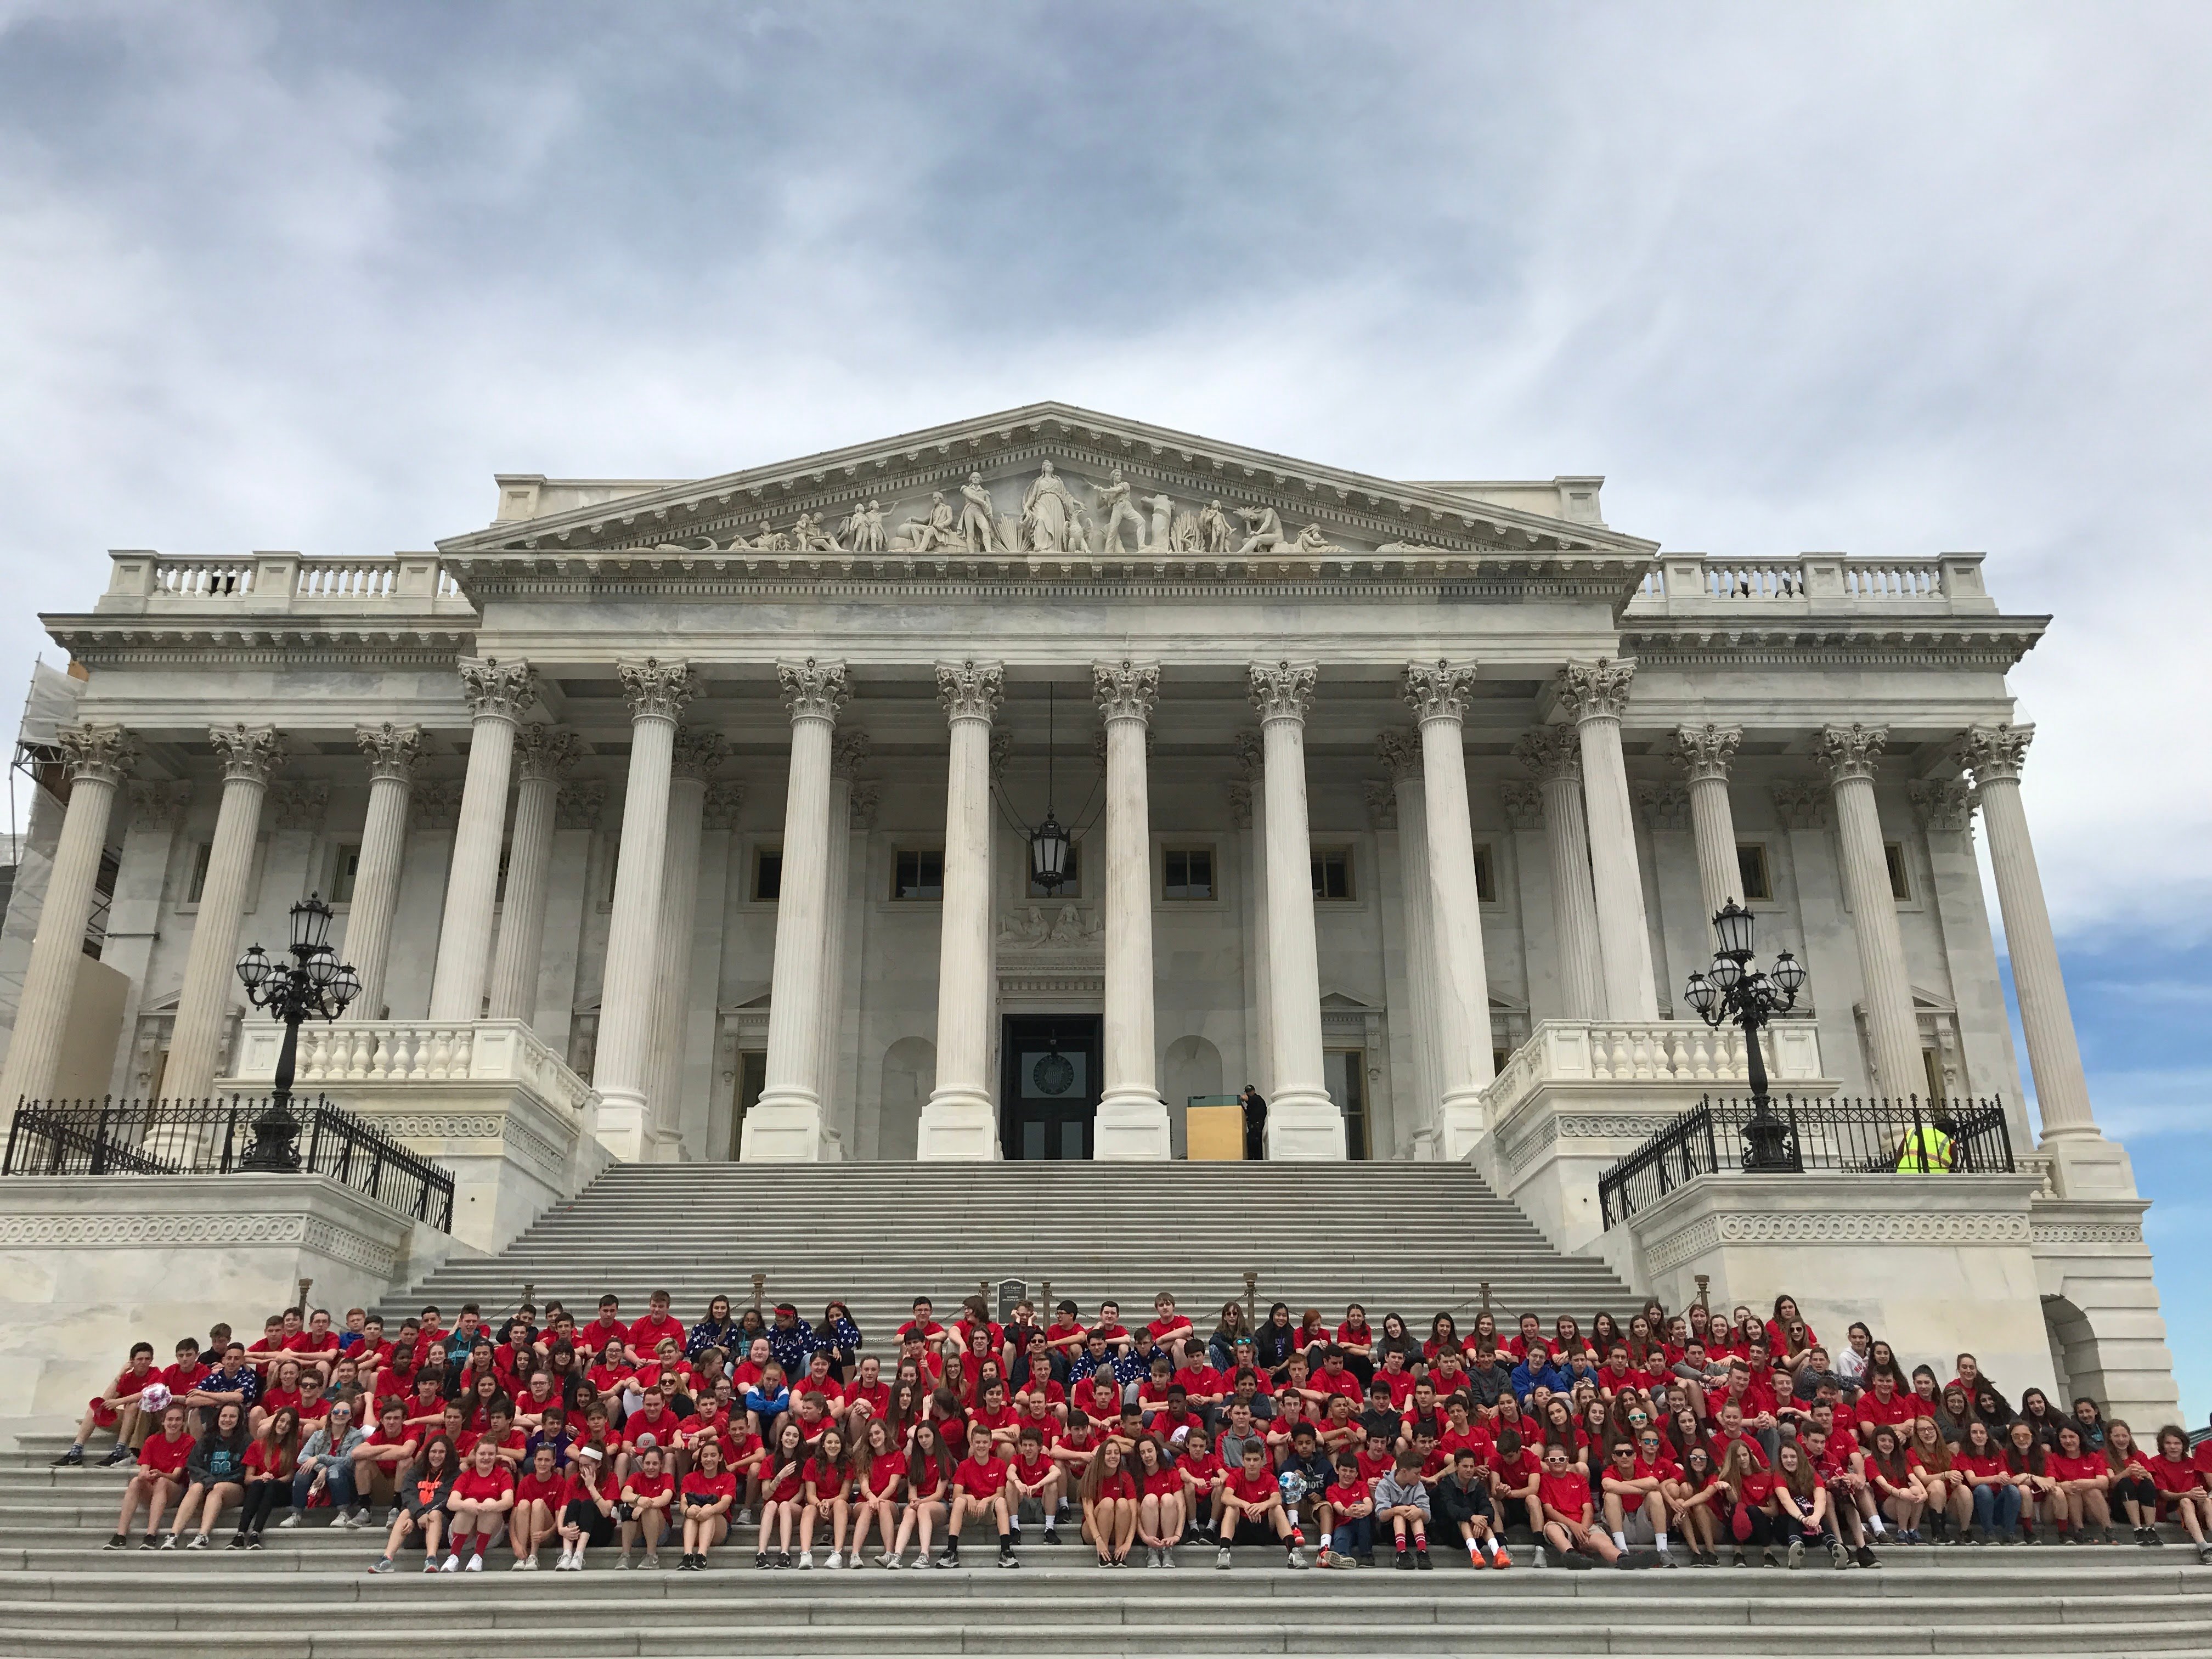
(1035, 927)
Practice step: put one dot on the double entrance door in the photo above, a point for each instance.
(1049, 1085)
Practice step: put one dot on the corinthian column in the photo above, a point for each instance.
(1401, 754)
(97, 755)
(1554, 754)
(1439, 695)
(1704, 752)
(542, 757)
(786, 1125)
(698, 755)
(657, 692)
(1995, 754)
(960, 1120)
(1850, 753)
(251, 756)
(1132, 1119)
(393, 751)
(497, 692)
(1303, 1121)
(1593, 695)
(846, 754)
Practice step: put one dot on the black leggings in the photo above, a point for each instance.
(1763, 1528)
(263, 1499)
(2139, 1488)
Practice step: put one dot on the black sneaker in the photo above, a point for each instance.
(1865, 1557)
(122, 1454)
(1051, 1533)
(73, 1458)
(951, 1556)
(1405, 1563)
(1007, 1556)
(254, 1542)
(1421, 1560)
(117, 1542)
(760, 1560)
(237, 1541)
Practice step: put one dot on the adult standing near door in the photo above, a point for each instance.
(1256, 1123)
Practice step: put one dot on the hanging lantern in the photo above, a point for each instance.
(1049, 854)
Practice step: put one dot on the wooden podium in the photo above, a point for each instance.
(1213, 1130)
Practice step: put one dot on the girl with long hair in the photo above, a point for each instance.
(1559, 1428)
(2082, 1479)
(423, 1490)
(215, 1472)
(2181, 1487)
(1801, 1501)
(709, 1493)
(1882, 1361)
(537, 1498)
(1996, 1495)
(878, 1470)
(1159, 1501)
(1110, 1505)
(2028, 1460)
(1956, 1413)
(783, 1491)
(1750, 1501)
(928, 1492)
(1443, 1333)
(1897, 1486)
(270, 1462)
(1697, 1506)
(2132, 1488)
(1950, 1497)
(829, 1492)
(1605, 1331)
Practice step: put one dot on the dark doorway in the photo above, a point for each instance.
(1049, 1085)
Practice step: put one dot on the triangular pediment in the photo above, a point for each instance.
(1043, 480)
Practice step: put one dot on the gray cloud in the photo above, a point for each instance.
(1890, 279)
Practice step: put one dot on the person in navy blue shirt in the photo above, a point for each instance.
(1537, 1371)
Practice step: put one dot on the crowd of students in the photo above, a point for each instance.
(1677, 1436)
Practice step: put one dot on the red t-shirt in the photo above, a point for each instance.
(480, 1488)
(581, 1488)
(1164, 1482)
(645, 1336)
(1513, 1470)
(704, 1489)
(1120, 1483)
(590, 1339)
(1205, 1471)
(661, 1426)
(1401, 1386)
(1342, 1497)
(1894, 1413)
(164, 1456)
(307, 1343)
(1374, 1464)
(1665, 1468)
(1200, 1381)
(1250, 1487)
(2087, 1467)
(785, 1483)
(547, 1489)
(1161, 1329)
(1568, 1493)
(879, 1397)
(884, 1476)
(183, 1379)
(1343, 1382)
(1758, 1486)
(1984, 1463)
(1031, 1470)
(1472, 1438)
(641, 1485)
(1057, 1333)
(2172, 1474)
(1722, 1443)
(983, 1479)
(261, 1459)
(828, 1479)
(609, 1379)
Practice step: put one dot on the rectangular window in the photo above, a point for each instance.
(1070, 888)
(918, 875)
(1332, 873)
(1900, 882)
(1187, 873)
(345, 870)
(1485, 876)
(1751, 870)
(198, 885)
(767, 874)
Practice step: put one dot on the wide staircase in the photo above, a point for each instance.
(1412, 1239)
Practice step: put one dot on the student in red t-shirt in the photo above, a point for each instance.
(1750, 1501)
(829, 1494)
(117, 1409)
(782, 1492)
(649, 1496)
(928, 1492)
(1110, 1498)
(160, 1480)
(1160, 1511)
(1564, 1493)
(1997, 1496)
(878, 1470)
(481, 1498)
(1346, 1516)
(2083, 1480)
(1252, 1501)
(1172, 1332)
(706, 1494)
(1516, 1479)
(537, 1498)
(2181, 1489)
(1627, 1490)
(1033, 1477)
(979, 1488)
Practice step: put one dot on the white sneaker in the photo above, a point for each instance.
(517, 1565)
(530, 1562)
(291, 1519)
(891, 1562)
(169, 1542)
(476, 1565)
(837, 1561)
(453, 1565)
(806, 1560)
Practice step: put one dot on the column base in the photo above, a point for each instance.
(2086, 1165)
(1131, 1127)
(1304, 1129)
(783, 1128)
(1464, 1124)
(957, 1126)
(620, 1126)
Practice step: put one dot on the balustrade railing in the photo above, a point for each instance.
(417, 1051)
(203, 578)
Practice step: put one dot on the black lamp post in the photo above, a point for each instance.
(1736, 993)
(1048, 841)
(313, 985)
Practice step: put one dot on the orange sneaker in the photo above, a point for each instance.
(1501, 1560)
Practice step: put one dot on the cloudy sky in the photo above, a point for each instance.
(1888, 278)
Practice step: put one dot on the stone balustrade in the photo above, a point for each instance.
(141, 582)
(1813, 583)
(1669, 1051)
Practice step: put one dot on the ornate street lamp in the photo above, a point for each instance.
(313, 985)
(1736, 993)
(1048, 842)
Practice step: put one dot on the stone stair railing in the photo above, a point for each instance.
(1630, 1053)
(417, 1051)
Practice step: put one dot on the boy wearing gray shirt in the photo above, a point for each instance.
(1401, 1499)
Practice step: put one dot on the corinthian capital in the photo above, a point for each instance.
(1283, 690)
(724, 799)
(971, 690)
(1401, 755)
(252, 754)
(1943, 802)
(160, 806)
(497, 690)
(1851, 752)
(1126, 690)
(813, 689)
(1438, 691)
(1554, 753)
(657, 690)
(1524, 802)
(96, 752)
(1592, 690)
(543, 754)
(1704, 751)
(848, 752)
(1992, 753)
(697, 753)
(392, 749)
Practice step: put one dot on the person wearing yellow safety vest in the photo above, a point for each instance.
(1922, 1151)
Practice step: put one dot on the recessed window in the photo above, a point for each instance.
(499, 890)
(1485, 876)
(1751, 871)
(345, 870)
(1900, 879)
(1069, 888)
(198, 885)
(1332, 873)
(1187, 873)
(919, 874)
(767, 874)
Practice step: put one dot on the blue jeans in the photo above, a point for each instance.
(339, 1484)
(1353, 1537)
(1997, 1506)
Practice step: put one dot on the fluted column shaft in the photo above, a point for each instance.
(2054, 1053)
(1400, 752)
(1438, 694)
(1554, 754)
(658, 692)
(1704, 752)
(393, 751)
(1132, 1119)
(249, 757)
(543, 755)
(1594, 694)
(959, 1121)
(1303, 1121)
(786, 1124)
(696, 755)
(1850, 753)
(498, 692)
(97, 755)
(838, 890)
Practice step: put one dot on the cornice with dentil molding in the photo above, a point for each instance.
(1283, 690)
(1126, 690)
(1439, 691)
(1850, 752)
(1595, 691)
(250, 754)
(971, 690)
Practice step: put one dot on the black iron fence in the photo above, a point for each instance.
(1861, 1137)
(212, 1137)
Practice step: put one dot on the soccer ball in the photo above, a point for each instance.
(156, 1397)
(647, 1441)
(1293, 1486)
